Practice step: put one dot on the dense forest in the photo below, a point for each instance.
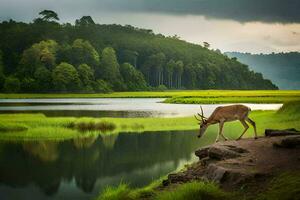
(282, 68)
(46, 56)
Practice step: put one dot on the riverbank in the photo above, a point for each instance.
(38, 126)
(265, 169)
(185, 96)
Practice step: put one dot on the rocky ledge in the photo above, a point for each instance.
(234, 163)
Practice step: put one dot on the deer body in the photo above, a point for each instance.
(224, 114)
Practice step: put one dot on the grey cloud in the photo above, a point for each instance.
(283, 11)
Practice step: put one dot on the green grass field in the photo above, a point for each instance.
(186, 96)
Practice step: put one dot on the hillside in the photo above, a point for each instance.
(46, 56)
(282, 68)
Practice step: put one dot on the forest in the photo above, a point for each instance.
(282, 68)
(45, 56)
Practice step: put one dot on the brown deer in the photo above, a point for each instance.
(224, 114)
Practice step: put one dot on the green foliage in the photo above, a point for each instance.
(43, 79)
(6, 127)
(133, 78)
(86, 75)
(195, 191)
(162, 60)
(102, 86)
(65, 78)
(283, 187)
(12, 85)
(110, 69)
(161, 88)
(122, 192)
(83, 52)
(49, 15)
(84, 21)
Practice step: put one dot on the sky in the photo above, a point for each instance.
(255, 26)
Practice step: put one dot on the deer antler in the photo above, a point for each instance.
(197, 118)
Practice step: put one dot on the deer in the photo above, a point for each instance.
(224, 114)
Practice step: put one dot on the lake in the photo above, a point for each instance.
(81, 168)
(111, 107)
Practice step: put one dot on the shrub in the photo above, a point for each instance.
(12, 85)
(92, 126)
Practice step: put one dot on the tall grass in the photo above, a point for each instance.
(284, 187)
(102, 126)
(195, 191)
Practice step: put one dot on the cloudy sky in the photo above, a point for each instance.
(256, 26)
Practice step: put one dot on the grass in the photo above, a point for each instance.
(38, 126)
(194, 190)
(283, 187)
(186, 96)
(92, 126)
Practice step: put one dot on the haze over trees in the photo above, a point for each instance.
(46, 56)
(282, 68)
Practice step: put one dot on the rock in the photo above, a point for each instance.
(274, 132)
(222, 153)
(202, 153)
(288, 142)
(214, 173)
(223, 175)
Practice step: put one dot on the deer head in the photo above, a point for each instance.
(202, 121)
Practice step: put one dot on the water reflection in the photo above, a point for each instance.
(80, 168)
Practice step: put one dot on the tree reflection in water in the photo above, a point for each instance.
(93, 162)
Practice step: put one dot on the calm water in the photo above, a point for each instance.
(111, 107)
(81, 168)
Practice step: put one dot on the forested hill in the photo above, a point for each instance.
(282, 68)
(46, 56)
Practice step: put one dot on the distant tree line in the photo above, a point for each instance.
(46, 56)
(282, 68)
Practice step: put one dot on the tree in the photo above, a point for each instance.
(83, 52)
(110, 69)
(86, 75)
(128, 56)
(12, 85)
(84, 21)
(65, 78)
(189, 76)
(43, 78)
(169, 72)
(102, 86)
(178, 70)
(2, 76)
(206, 45)
(133, 78)
(38, 55)
(153, 69)
(49, 15)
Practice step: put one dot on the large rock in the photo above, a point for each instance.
(202, 153)
(220, 152)
(275, 132)
(289, 142)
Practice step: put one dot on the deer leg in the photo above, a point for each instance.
(254, 126)
(221, 125)
(220, 130)
(246, 128)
